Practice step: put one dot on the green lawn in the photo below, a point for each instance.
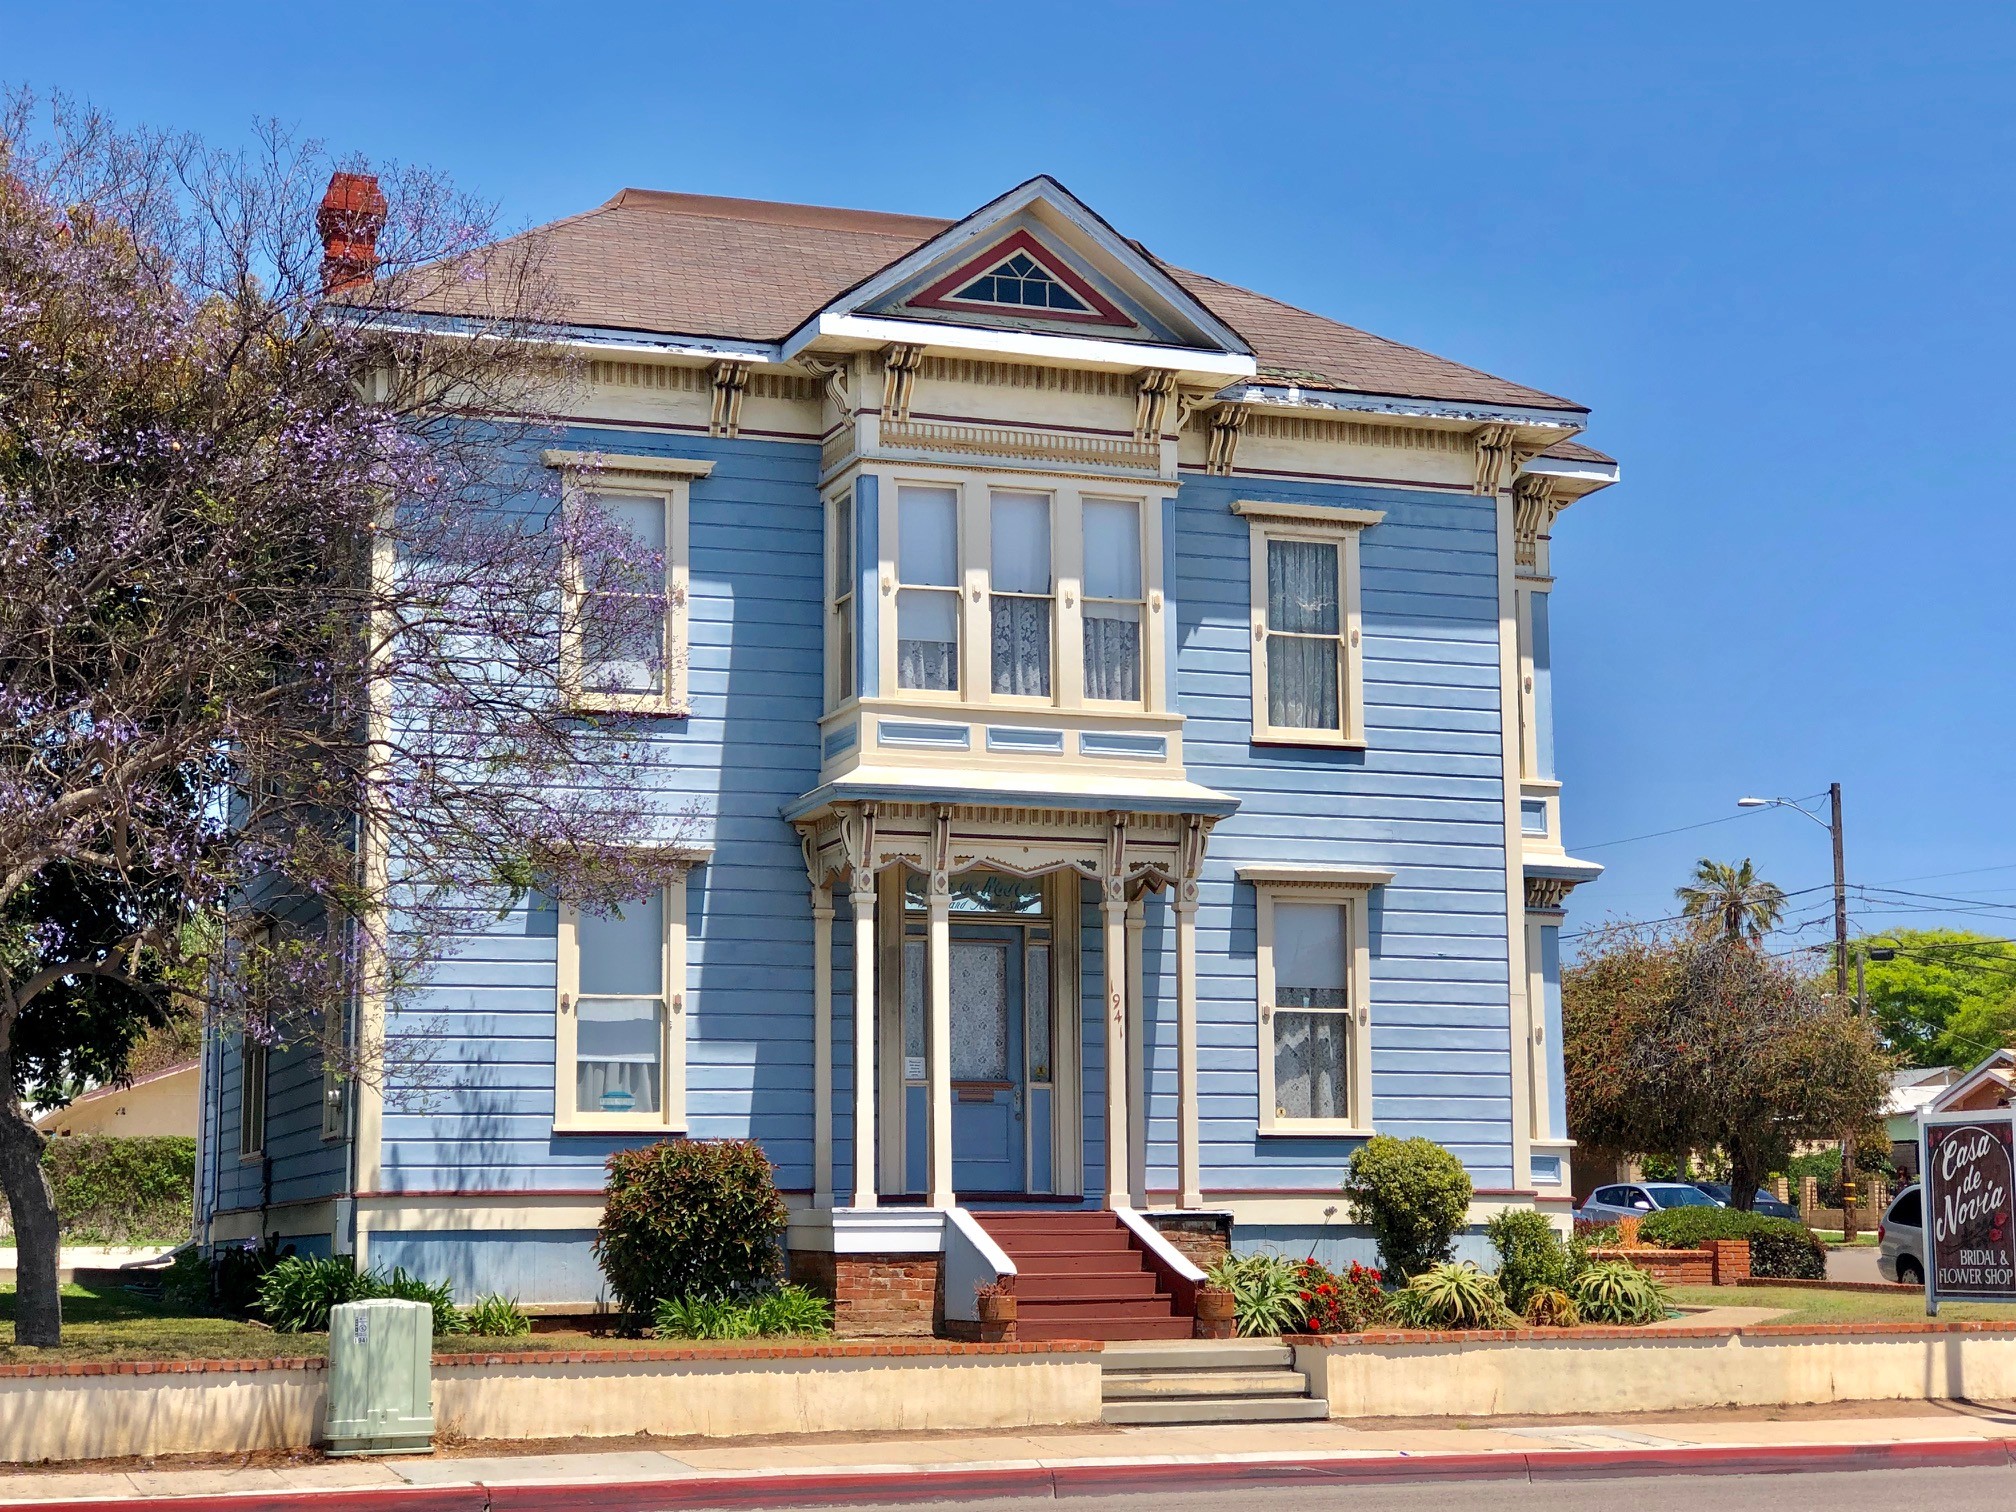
(1833, 1237)
(1812, 1306)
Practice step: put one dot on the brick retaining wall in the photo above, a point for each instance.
(875, 1296)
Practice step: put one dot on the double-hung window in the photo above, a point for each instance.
(1308, 679)
(251, 1097)
(623, 633)
(620, 1038)
(1113, 600)
(1021, 598)
(927, 588)
(841, 598)
(1313, 977)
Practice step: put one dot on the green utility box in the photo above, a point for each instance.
(381, 1378)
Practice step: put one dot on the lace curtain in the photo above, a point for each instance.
(1311, 1058)
(1112, 655)
(1021, 645)
(1302, 642)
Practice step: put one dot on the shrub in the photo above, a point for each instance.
(123, 1189)
(1615, 1291)
(793, 1311)
(495, 1317)
(1551, 1307)
(295, 1296)
(1415, 1198)
(1779, 1247)
(1531, 1256)
(438, 1295)
(1266, 1292)
(689, 1219)
(1452, 1296)
(1334, 1304)
(787, 1311)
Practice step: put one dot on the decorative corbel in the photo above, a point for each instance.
(1536, 500)
(1548, 892)
(899, 380)
(1157, 386)
(833, 372)
(941, 852)
(731, 380)
(1494, 457)
(1226, 422)
(857, 838)
(1113, 881)
(1190, 858)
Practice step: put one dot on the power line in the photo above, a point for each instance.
(1677, 830)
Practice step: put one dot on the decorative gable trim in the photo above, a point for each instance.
(944, 294)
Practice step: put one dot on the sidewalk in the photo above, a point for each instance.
(830, 1470)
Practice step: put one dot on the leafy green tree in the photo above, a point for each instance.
(1732, 901)
(1948, 996)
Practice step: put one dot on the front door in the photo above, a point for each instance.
(988, 1104)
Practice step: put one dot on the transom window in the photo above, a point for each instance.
(1021, 280)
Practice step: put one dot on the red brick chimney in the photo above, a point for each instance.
(352, 215)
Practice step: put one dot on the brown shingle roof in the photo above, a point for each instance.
(1575, 451)
(752, 270)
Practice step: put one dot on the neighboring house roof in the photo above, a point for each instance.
(1986, 1085)
(84, 1102)
(751, 270)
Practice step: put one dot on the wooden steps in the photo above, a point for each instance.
(1078, 1276)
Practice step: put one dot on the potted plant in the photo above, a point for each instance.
(1217, 1312)
(997, 1310)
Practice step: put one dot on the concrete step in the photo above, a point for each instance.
(1207, 1385)
(1222, 1410)
(1200, 1354)
(1103, 1328)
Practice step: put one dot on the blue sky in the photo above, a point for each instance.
(1769, 245)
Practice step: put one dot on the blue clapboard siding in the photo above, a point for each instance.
(1424, 800)
(755, 548)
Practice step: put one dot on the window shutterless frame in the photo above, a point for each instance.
(842, 625)
(251, 1098)
(1349, 892)
(670, 1115)
(1275, 529)
(631, 479)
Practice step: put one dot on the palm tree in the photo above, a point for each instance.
(1731, 900)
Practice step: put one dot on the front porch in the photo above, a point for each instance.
(991, 959)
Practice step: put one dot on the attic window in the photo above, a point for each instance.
(1021, 280)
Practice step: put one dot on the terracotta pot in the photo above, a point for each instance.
(997, 1319)
(1217, 1313)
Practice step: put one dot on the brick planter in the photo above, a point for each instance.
(1718, 1262)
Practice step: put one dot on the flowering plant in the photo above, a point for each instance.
(1339, 1304)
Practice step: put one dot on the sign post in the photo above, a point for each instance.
(1969, 1165)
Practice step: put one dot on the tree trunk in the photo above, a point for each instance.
(1744, 1176)
(38, 1298)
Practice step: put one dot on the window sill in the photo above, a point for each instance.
(659, 708)
(589, 1124)
(251, 1157)
(1318, 740)
(1314, 1128)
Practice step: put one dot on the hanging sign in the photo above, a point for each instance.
(1969, 1161)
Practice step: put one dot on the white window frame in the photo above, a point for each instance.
(253, 1069)
(1140, 605)
(668, 480)
(1067, 648)
(1350, 889)
(671, 1115)
(1273, 521)
(843, 603)
(964, 550)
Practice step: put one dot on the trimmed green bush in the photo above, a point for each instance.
(689, 1220)
(119, 1189)
(1779, 1247)
(1531, 1256)
(1415, 1198)
(1617, 1292)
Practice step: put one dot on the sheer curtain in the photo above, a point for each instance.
(1020, 604)
(1113, 599)
(1311, 1048)
(620, 1015)
(927, 606)
(1302, 635)
(620, 654)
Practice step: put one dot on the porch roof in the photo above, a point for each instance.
(1144, 795)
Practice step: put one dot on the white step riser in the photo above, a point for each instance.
(1243, 1410)
(1197, 1354)
(1212, 1385)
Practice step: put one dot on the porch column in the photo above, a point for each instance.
(938, 1043)
(822, 1044)
(1117, 1160)
(863, 897)
(1137, 1048)
(1188, 1174)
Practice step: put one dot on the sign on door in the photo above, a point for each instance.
(1970, 1207)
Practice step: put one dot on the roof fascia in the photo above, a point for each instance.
(880, 330)
(984, 221)
(583, 338)
(1294, 396)
(1577, 479)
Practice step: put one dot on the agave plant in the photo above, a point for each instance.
(1266, 1291)
(1615, 1291)
(1452, 1295)
(1551, 1307)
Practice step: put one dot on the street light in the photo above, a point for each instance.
(1832, 824)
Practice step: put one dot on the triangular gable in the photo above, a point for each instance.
(1993, 1072)
(1039, 241)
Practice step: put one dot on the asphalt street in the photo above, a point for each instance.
(1950, 1490)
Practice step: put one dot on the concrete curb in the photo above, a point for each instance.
(897, 1484)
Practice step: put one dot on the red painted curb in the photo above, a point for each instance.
(899, 1486)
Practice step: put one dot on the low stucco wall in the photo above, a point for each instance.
(1591, 1370)
(103, 1411)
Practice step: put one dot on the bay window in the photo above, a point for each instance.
(927, 592)
(840, 598)
(1020, 598)
(1113, 600)
(1308, 676)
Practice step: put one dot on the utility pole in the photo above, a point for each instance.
(1848, 1194)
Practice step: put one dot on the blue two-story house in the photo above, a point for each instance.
(1116, 706)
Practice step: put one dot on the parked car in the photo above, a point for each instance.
(1900, 1239)
(1765, 1202)
(1641, 1199)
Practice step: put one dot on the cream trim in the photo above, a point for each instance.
(1519, 1006)
(1313, 874)
(627, 477)
(604, 464)
(1351, 897)
(671, 1116)
(1299, 523)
